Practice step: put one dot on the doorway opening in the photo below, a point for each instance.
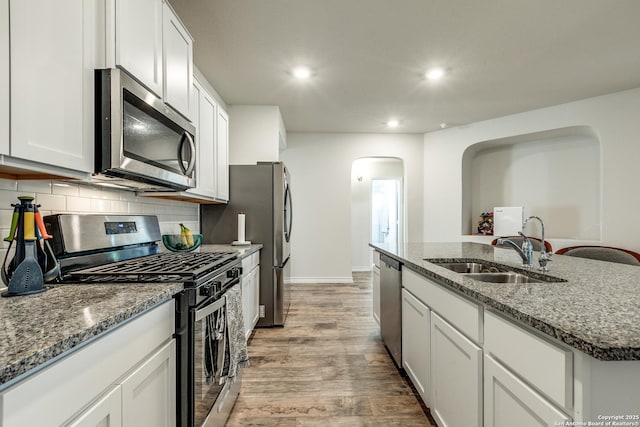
(385, 208)
(377, 208)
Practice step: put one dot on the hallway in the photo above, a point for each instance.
(326, 367)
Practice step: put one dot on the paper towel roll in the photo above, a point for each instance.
(241, 225)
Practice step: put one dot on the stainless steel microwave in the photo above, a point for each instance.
(141, 142)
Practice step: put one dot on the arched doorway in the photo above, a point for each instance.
(377, 207)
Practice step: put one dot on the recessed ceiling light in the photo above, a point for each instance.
(393, 123)
(301, 73)
(444, 125)
(434, 74)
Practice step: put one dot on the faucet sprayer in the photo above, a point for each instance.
(545, 256)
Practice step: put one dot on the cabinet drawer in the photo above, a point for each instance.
(537, 360)
(465, 315)
(248, 263)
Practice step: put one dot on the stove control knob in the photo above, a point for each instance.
(207, 290)
(233, 273)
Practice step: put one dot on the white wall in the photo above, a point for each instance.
(256, 133)
(66, 197)
(613, 119)
(320, 166)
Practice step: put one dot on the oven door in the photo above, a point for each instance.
(209, 349)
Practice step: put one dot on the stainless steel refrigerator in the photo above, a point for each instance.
(262, 192)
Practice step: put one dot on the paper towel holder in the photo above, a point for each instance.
(241, 231)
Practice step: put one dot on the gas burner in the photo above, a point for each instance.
(163, 267)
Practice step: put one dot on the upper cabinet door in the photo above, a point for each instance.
(4, 76)
(204, 118)
(178, 62)
(222, 154)
(53, 57)
(138, 44)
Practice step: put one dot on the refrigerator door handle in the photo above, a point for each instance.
(288, 209)
(281, 266)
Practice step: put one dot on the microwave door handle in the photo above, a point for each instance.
(192, 162)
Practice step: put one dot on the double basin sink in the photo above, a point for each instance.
(490, 272)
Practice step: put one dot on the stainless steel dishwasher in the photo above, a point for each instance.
(391, 306)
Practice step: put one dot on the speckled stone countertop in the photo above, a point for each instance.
(242, 250)
(37, 328)
(597, 310)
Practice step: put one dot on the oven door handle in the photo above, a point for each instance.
(211, 308)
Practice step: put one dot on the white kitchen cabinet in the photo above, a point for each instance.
(54, 51)
(205, 111)
(147, 396)
(416, 343)
(151, 43)
(76, 389)
(149, 393)
(138, 41)
(212, 169)
(508, 401)
(4, 76)
(106, 412)
(456, 376)
(177, 59)
(545, 365)
(222, 158)
(376, 287)
(251, 291)
(464, 314)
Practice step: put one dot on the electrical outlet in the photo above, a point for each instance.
(262, 311)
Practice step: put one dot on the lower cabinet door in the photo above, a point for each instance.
(250, 295)
(509, 402)
(416, 336)
(456, 377)
(376, 294)
(106, 412)
(149, 393)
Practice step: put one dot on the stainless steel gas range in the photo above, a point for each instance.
(122, 248)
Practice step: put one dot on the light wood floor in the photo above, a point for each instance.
(326, 367)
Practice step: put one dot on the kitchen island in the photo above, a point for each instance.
(562, 350)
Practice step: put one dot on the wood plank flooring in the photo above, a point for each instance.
(326, 367)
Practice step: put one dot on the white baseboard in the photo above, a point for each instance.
(314, 280)
(365, 268)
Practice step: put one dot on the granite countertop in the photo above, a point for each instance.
(597, 309)
(243, 251)
(37, 328)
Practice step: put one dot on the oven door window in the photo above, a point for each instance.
(210, 354)
(152, 138)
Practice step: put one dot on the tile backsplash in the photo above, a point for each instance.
(68, 197)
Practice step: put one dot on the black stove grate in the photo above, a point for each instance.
(163, 267)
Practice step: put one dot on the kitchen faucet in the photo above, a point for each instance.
(545, 256)
(525, 252)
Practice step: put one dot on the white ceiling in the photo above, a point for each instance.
(369, 57)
